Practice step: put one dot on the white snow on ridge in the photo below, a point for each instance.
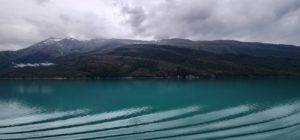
(56, 39)
(22, 65)
(51, 40)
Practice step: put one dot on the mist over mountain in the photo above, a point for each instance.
(112, 58)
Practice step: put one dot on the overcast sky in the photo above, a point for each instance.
(25, 22)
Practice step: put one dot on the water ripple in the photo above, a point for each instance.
(160, 126)
(33, 118)
(239, 122)
(148, 118)
(72, 121)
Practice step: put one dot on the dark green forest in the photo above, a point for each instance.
(117, 59)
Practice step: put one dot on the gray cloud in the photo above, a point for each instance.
(135, 17)
(246, 20)
(275, 21)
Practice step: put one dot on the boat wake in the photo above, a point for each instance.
(239, 122)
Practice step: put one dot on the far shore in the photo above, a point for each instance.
(142, 78)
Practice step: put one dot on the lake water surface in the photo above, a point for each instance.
(150, 109)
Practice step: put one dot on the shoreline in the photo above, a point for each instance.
(150, 78)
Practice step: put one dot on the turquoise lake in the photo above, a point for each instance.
(150, 109)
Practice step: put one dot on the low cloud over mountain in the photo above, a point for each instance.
(22, 65)
(26, 22)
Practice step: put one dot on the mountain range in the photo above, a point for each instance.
(167, 58)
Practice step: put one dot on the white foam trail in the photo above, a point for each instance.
(256, 119)
(266, 115)
(249, 119)
(107, 125)
(73, 121)
(295, 119)
(39, 117)
(15, 109)
(201, 118)
(291, 133)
